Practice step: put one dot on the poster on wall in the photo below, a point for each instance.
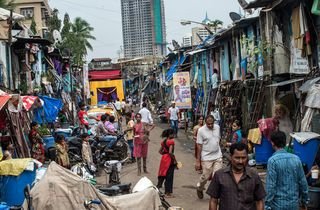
(298, 64)
(181, 90)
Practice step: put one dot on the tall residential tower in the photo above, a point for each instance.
(143, 28)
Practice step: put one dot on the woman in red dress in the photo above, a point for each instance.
(37, 148)
(141, 139)
(167, 164)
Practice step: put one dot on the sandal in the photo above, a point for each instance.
(169, 195)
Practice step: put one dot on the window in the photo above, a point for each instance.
(27, 12)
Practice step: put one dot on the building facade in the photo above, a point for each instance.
(187, 40)
(37, 9)
(143, 27)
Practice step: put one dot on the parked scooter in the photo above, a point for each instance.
(83, 169)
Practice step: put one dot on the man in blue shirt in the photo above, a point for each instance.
(286, 184)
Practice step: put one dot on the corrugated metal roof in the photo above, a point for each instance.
(3, 100)
(285, 82)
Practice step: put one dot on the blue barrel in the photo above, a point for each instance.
(12, 187)
(307, 152)
(49, 142)
(4, 206)
(263, 151)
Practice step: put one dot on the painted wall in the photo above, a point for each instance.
(224, 62)
(94, 85)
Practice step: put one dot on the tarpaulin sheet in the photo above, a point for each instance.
(28, 101)
(61, 189)
(173, 68)
(3, 100)
(49, 111)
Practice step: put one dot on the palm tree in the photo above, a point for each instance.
(215, 24)
(78, 39)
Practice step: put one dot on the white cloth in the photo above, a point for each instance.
(304, 137)
(209, 139)
(146, 115)
(214, 80)
(313, 97)
(173, 113)
(117, 105)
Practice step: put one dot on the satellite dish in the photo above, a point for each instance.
(234, 16)
(56, 36)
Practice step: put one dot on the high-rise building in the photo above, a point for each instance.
(201, 31)
(143, 28)
(187, 40)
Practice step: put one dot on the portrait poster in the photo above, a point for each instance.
(181, 90)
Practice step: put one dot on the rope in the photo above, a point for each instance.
(107, 93)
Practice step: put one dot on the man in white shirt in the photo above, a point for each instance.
(117, 104)
(145, 114)
(215, 84)
(173, 112)
(209, 155)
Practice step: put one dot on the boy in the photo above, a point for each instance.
(129, 135)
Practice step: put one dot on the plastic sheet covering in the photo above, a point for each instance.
(14, 167)
(49, 111)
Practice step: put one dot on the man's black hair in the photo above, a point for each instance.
(238, 146)
(144, 105)
(278, 138)
(111, 119)
(103, 117)
(84, 135)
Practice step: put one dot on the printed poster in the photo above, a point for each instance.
(181, 90)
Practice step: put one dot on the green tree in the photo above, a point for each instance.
(215, 24)
(33, 26)
(66, 26)
(7, 4)
(54, 23)
(78, 40)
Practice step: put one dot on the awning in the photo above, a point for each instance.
(173, 68)
(28, 101)
(104, 75)
(5, 14)
(287, 82)
(308, 84)
(3, 100)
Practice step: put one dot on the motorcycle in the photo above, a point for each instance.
(161, 112)
(83, 169)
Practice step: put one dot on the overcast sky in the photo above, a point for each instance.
(105, 17)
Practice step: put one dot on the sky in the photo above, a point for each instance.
(105, 17)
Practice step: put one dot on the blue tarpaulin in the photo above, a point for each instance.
(49, 111)
(173, 67)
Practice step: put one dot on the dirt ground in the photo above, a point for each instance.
(185, 179)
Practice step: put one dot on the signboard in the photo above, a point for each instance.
(181, 90)
(298, 64)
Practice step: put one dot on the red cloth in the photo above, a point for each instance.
(267, 126)
(166, 158)
(83, 117)
(140, 146)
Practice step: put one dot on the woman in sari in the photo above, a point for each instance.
(37, 148)
(141, 139)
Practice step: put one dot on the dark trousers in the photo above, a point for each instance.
(168, 185)
(174, 125)
(130, 143)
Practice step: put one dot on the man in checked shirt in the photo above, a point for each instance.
(236, 187)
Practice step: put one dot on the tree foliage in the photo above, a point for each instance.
(33, 26)
(78, 40)
(7, 4)
(66, 26)
(215, 24)
(54, 23)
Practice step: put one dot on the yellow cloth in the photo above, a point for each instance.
(254, 136)
(13, 167)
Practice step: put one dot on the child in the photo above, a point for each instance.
(167, 164)
(237, 135)
(129, 135)
(8, 152)
(37, 148)
(86, 149)
(62, 157)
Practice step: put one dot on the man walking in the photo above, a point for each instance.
(286, 184)
(209, 152)
(236, 187)
(145, 114)
(174, 117)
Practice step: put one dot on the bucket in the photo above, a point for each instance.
(4, 206)
(307, 152)
(48, 141)
(12, 187)
(263, 151)
(314, 196)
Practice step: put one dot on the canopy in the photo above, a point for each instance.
(174, 66)
(5, 14)
(3, 100)
(104, 75)
(49, 111)
(28, 101)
